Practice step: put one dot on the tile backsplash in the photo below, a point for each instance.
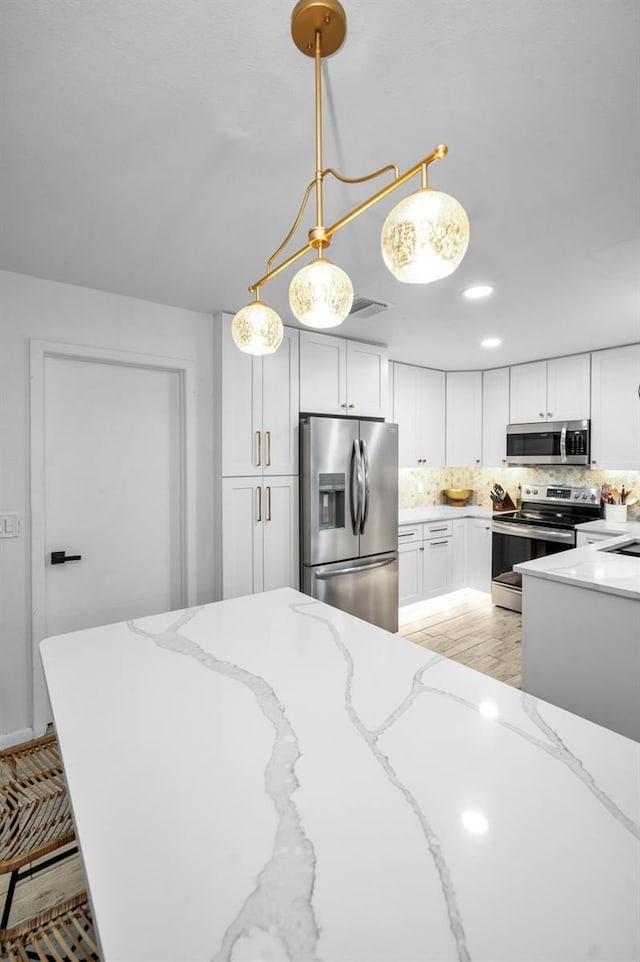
(420, 487)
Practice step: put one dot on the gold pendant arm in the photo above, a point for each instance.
(440, 151)
(311, 185)
(361, 180)
(438, 154)
(303, 205)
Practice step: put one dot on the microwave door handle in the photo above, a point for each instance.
(563, 444)
(365, 485)
(354, 487)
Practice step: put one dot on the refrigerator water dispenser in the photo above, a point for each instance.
(331, 501)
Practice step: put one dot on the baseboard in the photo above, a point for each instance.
(15, 738)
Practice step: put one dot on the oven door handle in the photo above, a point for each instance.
(531, 531)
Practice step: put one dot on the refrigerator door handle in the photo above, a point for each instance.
(365, 485)
(355, 488)
(323, 575)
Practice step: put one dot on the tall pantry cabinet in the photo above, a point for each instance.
(258, 426)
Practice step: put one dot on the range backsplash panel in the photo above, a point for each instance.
(421, 487)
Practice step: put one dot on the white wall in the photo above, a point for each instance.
(33, 308)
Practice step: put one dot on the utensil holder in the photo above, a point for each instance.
(615, 512)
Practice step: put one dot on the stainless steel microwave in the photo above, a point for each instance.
(549, 442)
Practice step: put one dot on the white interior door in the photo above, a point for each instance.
(113, 497)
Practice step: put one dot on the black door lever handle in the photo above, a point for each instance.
(59, 557)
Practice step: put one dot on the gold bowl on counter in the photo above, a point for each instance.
(458, 497)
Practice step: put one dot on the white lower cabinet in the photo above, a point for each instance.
(438, 555)
(410, 572)
(425, 553)
(443, 556)
(459, 550)
(259, 535)
(478, 554)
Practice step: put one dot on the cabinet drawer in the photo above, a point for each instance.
(437, 529)
(408, 533)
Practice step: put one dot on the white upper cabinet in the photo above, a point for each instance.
(529, 392)
(367, 379)
(419, 398)
(280, 390)
(555, 390)
(569, 388)
(495, 416)
(464, 418)
(615, 408)
(259, 400)
(338, 376)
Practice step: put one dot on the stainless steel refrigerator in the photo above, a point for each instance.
(349, 516)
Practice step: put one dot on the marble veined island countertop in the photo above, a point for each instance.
(271, 778)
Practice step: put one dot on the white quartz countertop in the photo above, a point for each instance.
(603, 526)
(441, 512)
(591, 566)
(270, 778)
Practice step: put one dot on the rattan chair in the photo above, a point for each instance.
(64, 934)
(35, 817)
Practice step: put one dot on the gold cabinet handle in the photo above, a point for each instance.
(259, 499)
(268, 502)
(268, 436)
(258, 448)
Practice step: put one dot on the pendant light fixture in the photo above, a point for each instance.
(423, 239)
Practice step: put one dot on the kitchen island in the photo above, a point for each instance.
(271, 778)
(581, 633)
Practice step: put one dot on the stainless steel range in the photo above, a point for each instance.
(544, 525)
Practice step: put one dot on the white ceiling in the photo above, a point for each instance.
(160, 149)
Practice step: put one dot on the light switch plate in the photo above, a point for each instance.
(9, 525)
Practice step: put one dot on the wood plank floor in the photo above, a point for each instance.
(44, 889)
(464, 626)
(468, 628)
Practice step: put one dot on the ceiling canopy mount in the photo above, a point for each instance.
(326, 17)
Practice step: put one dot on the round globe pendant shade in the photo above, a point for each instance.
(257, 329)
(321, 294)
(425, 236)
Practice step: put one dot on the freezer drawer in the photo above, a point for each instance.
(364, 587)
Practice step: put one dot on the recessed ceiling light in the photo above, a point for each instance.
(475, 293)
(491, 342)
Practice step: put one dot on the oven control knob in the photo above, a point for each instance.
(535, 490)
(527, 491)
(593, 497)
(576, 495)
(584, 497)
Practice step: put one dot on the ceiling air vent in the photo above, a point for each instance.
(366, 307)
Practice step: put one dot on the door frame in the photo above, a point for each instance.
(40, 350)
